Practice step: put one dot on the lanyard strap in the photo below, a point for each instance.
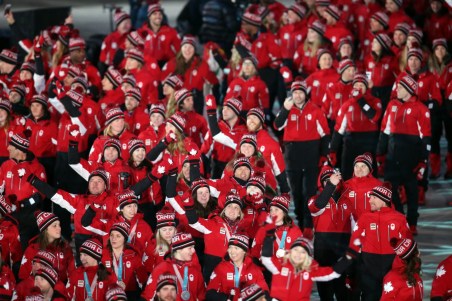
(228, 234)
(118, 268)
(89, 288)
(281, 242)
(237, 272)
(183, 282)
(132, 232)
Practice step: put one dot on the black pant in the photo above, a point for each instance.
(328, 248)
(372, 269)
(303, 184)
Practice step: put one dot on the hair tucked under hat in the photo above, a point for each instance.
(241, 241)
(252, 293)
(49, 274)
(135, 144)
(178, 122)
(258, 113)
(304, 243)
(123, 228)
(409, 84)
(20, 142)
(365, 158)
(165, 219)
(45, 258)
(403, 247)
(280, 202)
(166, 279)
(126, 197)
(93, 248)
(383, 193)
(233, 199)
(113, 114)
(234, 104)
(115, 293)
(45, 219)
(181, 240)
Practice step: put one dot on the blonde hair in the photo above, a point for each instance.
(313, 47)
(108, 132)
(223, 213)
(178, 146)
(304, 266)
(171, 107)
(435, 66)
(403, 58)
(56, 58)
(161, 244)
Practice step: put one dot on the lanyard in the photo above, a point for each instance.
(89, 288)
(237, 272)
(228, 235)
(132, 232)
(183, 282)
(281, 243)
(118, 268)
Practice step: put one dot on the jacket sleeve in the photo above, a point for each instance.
(83, 168)
(281, 119)
(323, 274)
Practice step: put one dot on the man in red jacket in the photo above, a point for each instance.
(405, 143)
(356, 126)
(371, 238)
(305, 132)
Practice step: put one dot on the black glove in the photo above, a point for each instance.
(52, 91)
(342, 265)
(72, 110)
(88, 217)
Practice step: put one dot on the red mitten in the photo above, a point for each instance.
(211, 104)
(420, 170)
(332, 158)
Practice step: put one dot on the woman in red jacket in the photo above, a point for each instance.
(49, 239)
(403, 281)
(160, 243)
(122, 260)
(381, 68)
(139, 167)
(115, 127)
(92, 279)
(294, 273)
(249, 87)
(193, 69)
(305, 58)
(235, 272)
(156, 129)
(322, 79)
(7, 128)
(217, 230)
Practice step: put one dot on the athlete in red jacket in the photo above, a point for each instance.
(357, 188)
(405, 140)
(333, 214)
(356, 126)
(401, 282)
(135, 115)
(305, 132)
(190, 282)
(371, 237)
(235, 272)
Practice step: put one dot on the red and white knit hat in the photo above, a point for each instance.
(45, 219)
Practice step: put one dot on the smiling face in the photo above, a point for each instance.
(232, 211)
(236, 254)
(361, 170)
(376, 203)
(298, 255)
(253, 123)
(243, 173)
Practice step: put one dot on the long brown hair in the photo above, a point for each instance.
(44, 243)
(56, 58)
(413, 267)
(182, 66)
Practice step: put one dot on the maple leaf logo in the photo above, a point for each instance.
(388, 287)
(440, 271)
(193, 152)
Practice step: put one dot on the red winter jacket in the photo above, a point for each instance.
(105, 205)
(217, 232)
(150, 258)
(291, 36)
(334, 217)
(319, 82)
(195, 76)
(13, 177)
(151, 137)
(10, 240)
(114, 170)
(133, 272)
(305, 124)
(399, 17)
(290, 285)
(271, 151)
(43, 140)
(95, 154)
(438, 26)
(305, 61)
(442, 282)
(110, 45)
(335, 33)
(196, 285)
(64, 264)
(111, 99)
(222, 279)
(396, 286)
(358, 192)
(383, 72)
(161, 45)
(410, 118)
(5, 135)
(334, 97)
(195, 127)
(374, 230)
(352, 118)
(7, 282)
(76, 285)
(23, 288)
(252, 91)
(138, 120)
(222, 152)
(220, 188)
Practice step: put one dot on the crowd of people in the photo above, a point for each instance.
(161, 172)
